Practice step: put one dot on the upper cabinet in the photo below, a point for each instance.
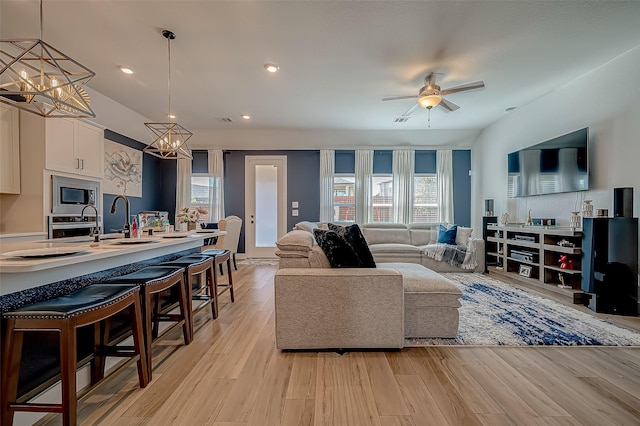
(74, 146)
(9, 150)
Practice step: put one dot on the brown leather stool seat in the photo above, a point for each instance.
(196, 265)
(220, 256)
(153, 281)
(89, 305)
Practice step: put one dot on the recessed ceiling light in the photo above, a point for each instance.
(171, 116)
(245, 116)
(271, 68)
(510, 109)
(128, 71)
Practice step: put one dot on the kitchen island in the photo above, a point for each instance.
(32, 279)
(26, 280)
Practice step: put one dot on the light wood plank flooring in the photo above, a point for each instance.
(232, 374)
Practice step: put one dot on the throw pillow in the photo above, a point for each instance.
(336, 249)
(305, 226)
(354, 238)
(447, 235)
(462, 236)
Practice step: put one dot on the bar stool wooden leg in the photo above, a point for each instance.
(100, 340)
(186, 311)
(230, 279)
(10, 362)
(213, 290)
(68, 372)
(138, 343)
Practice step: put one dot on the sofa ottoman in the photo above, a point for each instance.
(431, 301)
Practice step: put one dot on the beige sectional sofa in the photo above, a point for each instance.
(319, 307)
(395, 242)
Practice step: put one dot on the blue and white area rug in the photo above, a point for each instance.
(495, 313)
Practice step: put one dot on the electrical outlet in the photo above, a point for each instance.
(294, 204)
(294, 212)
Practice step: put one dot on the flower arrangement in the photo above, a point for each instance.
(190, 214)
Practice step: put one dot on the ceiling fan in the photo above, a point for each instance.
(430, 95)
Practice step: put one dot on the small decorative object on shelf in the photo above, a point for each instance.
(565, 262)
(566, 243)
(529, 219)
(525, 271)
(587, 208)
(575, 220)
(504, 218)
(562, 283)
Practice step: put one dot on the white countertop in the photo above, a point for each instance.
(18, 274)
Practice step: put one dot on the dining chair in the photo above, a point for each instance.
(232, 225)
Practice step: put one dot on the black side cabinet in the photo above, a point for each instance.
(610, 264)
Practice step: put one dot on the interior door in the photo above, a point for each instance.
(265, 203)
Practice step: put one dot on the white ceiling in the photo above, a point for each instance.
(337, 58)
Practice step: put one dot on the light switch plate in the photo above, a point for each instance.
(294, 212)
(294, 204)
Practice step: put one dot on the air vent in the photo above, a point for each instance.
(225, 120)
(401, 119)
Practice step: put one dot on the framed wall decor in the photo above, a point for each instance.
(525, 271)
(122, 170)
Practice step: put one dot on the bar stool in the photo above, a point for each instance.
(195, 265)
(89, 305)
(221, 256)
(154, 280)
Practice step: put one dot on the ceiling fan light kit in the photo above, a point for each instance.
(170, 139)
(430, 95)
(40, 79)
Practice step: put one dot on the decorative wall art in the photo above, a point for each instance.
(122, 170)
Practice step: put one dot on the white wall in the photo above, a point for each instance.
(606, 101)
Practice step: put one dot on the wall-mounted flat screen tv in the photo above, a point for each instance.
(553, 166)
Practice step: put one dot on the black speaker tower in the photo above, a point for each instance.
(622, 202)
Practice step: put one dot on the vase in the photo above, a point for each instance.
(181, 227)
(191, 226)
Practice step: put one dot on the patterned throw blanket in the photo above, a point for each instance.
(459, 256)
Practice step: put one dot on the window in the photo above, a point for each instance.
(425, 198)
(344, 198)
(382, 198)
(202, 190)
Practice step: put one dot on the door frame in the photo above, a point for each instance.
(249, 179)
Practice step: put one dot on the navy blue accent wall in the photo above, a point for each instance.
(345, 162)
(200, 163)
(425, 162)
(383, 162)
(303, 185)
(158, 186)
(461, 187)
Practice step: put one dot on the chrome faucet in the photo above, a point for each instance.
(127, 224)
(95, 232)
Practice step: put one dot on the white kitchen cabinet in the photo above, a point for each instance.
(74, 146)
(9, 150)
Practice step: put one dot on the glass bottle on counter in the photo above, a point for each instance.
(134, 227)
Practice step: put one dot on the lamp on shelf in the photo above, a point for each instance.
(170, 139)
(40, 79)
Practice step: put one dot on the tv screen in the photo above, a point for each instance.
(553, 166)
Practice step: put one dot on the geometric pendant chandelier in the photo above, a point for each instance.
(169, 139)
(38, 78)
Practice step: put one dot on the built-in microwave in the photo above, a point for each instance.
(70, 195)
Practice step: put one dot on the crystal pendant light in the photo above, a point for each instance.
(38, 78)
(170, 139)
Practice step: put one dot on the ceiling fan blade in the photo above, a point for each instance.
(464, 87)
(395, 98)
(448, 105)
(410, 110)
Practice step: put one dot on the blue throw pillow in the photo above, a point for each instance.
(447, 236)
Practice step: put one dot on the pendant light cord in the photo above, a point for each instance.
(169, 48)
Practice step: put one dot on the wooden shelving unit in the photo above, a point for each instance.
(531, 255)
